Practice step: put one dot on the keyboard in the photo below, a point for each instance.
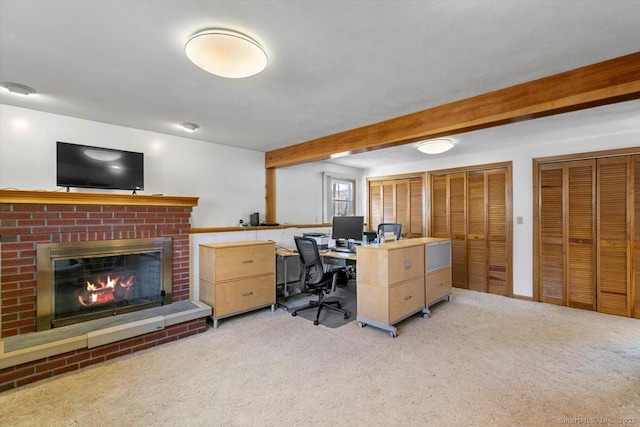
(345, 250)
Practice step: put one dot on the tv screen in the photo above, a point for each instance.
(97, 167)
(347, 228)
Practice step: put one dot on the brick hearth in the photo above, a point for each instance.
(29, 218)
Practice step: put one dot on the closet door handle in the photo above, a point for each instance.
(408, 298)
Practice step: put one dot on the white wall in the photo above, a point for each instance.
(230, 182)
(299, 191)
(522, 157)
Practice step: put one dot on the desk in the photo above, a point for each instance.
(284, 254)
(350, 256)
(341, 259)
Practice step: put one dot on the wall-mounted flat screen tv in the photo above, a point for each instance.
(96, 167)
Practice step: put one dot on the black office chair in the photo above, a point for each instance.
(389, 227)
(314, 279)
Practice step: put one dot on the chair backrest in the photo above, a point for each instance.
(389, 227)
(310, 259)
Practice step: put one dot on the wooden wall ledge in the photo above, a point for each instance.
(64, 198)
(261, 227)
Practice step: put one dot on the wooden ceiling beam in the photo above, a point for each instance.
(607, 82)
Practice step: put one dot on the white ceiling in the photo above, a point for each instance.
(333, 65)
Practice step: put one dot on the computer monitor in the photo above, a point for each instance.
(347, 228)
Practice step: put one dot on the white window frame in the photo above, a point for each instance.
(329, 200)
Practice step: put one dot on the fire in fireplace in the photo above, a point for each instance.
(89, 284)
(112, 290)
(81, 281)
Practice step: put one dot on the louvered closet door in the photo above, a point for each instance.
(375, 204)
(403, 204)
(458, 230)
(397, 200)
(476, 226)
(636, 240)
(439, 222)
(497, 231)
(580, 234)
(552, 284)
(416, 211)
(613, 236)
(388, 205)
(473, 209)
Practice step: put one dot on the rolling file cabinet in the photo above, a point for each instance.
(391, 283)
(236, 277)
(438, 275)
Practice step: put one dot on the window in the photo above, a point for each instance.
(342, 197)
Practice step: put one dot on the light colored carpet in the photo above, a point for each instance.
(479, 360)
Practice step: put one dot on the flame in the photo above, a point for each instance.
(103, 292)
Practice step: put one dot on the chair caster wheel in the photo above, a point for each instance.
(425, 315)
(293, 313)
(361, 325)
(315, 322)
(346, 316)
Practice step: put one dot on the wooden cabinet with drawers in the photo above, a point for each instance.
(438, 278)
(236, 277)
(390, 284)
(438, 286)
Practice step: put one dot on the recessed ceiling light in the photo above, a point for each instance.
(341, 154)
(435, 146)
(18, 89)
(189, 127)
(226, 53)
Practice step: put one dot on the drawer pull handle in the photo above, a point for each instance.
(247, 261)
(440, 284)
(407, 298)
(407, 264)
(247, 294)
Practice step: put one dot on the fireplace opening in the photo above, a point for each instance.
(92, 284)
(81, 281)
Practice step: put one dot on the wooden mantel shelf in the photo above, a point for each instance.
(68, 198)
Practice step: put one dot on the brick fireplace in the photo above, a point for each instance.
(81, 281)
(31, 218)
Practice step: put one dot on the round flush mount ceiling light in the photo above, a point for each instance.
(18, 89)
(435, 146)
(226, 53)
(189, 127)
